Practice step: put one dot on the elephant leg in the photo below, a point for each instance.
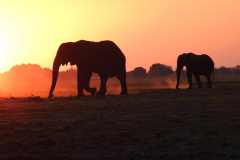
(209, 81)
(87, 84)
(80, 85)
(197, 77)
(92, 91)
(189, 77)
(103, 85)
(122, 79)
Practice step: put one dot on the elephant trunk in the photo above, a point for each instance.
(55, 71)
(178, 74)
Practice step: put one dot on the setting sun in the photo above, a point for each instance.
(11, 42)
(5, 51)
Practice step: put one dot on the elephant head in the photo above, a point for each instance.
(63, 57)
(182, 60)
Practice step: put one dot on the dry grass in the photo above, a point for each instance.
(153, 124)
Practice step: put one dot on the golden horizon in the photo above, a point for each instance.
(147, 31)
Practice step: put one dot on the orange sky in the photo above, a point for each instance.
(148, 31)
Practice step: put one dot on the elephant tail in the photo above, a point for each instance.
(213, 77)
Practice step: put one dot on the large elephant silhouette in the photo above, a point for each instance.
(196, 65)
(104, 58)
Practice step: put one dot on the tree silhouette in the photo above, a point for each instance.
(138, 72)
(160, 70)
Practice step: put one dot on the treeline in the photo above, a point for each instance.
(162, 70)
(155, 70)
(32, 79)
(228, 70)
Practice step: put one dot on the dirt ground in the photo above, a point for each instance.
(153, 124)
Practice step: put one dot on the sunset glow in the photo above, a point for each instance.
(4, 48)
(154, 31)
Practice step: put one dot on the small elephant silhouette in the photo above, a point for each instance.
(196, 65)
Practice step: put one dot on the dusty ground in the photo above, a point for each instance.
(157, 124)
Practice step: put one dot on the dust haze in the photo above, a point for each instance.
(32, 80)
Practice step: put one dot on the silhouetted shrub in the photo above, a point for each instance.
(138, 72)
(228, 73)
(160, 70)
(224, 71)
(236, 70)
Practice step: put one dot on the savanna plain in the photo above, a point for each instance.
(148, 124)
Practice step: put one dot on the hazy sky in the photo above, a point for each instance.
(148, 31)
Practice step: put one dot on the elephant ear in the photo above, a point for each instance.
(182, 58)
(66, 53)
(188, 57)
(191, 56)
